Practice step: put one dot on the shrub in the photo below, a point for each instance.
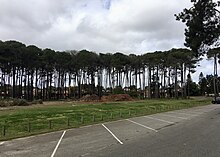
(89, 98)
(4, 103)
(39, 101)
(118, 90)
(20, 102)
(133, 94)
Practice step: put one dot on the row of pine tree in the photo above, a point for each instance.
(31, 73)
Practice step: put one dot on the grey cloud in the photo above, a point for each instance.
(127, 25)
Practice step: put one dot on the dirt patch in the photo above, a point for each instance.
(90, 98)
(109, 98)
(117, 97)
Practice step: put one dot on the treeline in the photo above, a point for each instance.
(32, 73)
(206, 85)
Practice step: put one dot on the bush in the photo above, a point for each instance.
(4, 103)
(39, 101)
(89, 98)
(133, 94)
(19, 102)
(118, 90)
(15, 102)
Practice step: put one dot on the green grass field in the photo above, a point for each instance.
(22, 122)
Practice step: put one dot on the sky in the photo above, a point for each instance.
(127, 26)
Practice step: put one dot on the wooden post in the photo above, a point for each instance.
(82, 120)
(68, 121)
(50, 124)
(93, 118)
(29, 126)
(111, 116)
(4, 130)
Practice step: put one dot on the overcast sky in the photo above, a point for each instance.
(128, 26)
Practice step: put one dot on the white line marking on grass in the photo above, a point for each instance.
(142, 125)
(159, 119)
(112, 134)
(58, 144)
(173, 116)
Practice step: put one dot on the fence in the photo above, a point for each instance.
(29, 127)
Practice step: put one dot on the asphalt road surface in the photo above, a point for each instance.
(191, 132)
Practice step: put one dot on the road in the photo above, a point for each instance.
(191, 132)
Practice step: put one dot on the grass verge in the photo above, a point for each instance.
(31, 121)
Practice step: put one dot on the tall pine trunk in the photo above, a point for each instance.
(149, 83)
(13, 82)
(175, 84)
